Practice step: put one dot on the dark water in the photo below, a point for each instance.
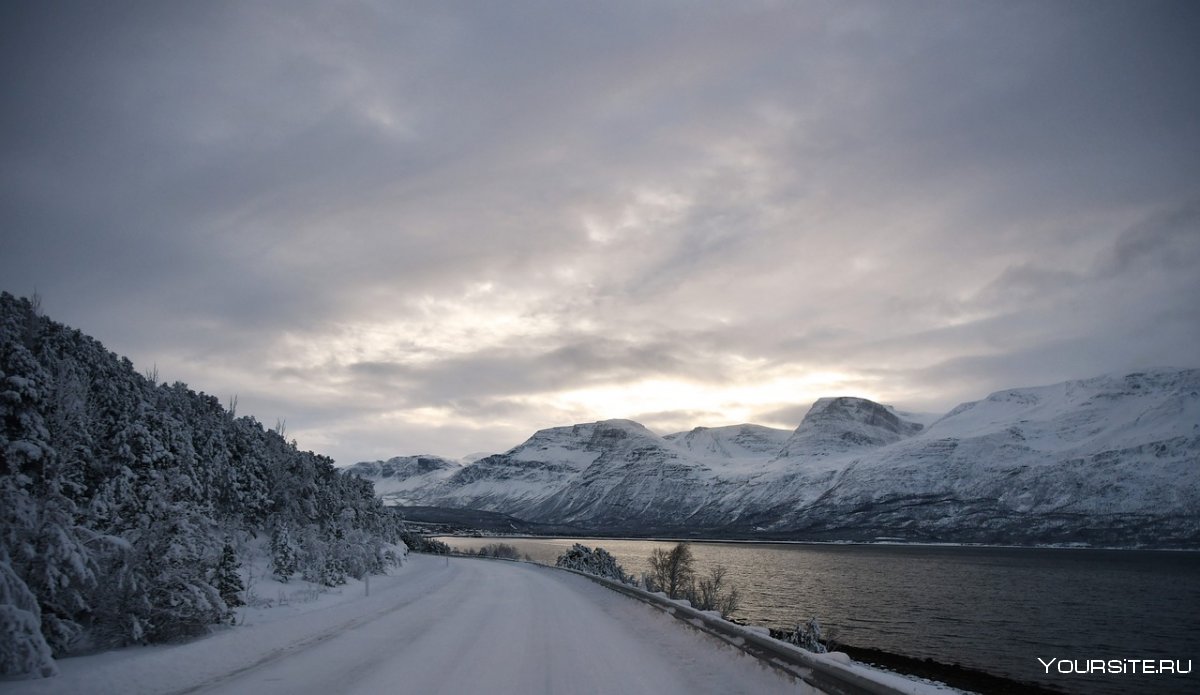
(994, 609)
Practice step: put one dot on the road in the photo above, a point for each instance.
(455, 626)
(500, 627)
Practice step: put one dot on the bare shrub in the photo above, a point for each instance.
(672, 571)
(714, 593)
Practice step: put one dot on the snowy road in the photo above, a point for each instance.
(498, 627)
(454, 626)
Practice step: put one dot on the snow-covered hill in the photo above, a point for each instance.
(1113, 460)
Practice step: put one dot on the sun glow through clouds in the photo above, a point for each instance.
(722, 403)
(441, 229)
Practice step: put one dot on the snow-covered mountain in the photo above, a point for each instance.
(596, 473)
(734, 449)
(835, 427)
(404, 480)
(1110, 460)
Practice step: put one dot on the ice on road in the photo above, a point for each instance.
(455, 626)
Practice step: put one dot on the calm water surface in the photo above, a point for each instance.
(995, 609)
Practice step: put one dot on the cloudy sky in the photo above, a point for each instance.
(437, 227)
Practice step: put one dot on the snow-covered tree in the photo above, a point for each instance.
(808, 636)
(117, 494)
(228, 578)
(423, 544)
(284, 561)
(43, 544)
(598, 562)
(23, 649)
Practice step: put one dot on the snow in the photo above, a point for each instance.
(734, 450)
(439, 625)
(1024, 465)
(560, 445)
(1106, 412)
(403, 479)
(29, 450)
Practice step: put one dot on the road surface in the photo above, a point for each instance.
(455, 626)
(500, 627)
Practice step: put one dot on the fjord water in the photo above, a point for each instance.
(994, 609)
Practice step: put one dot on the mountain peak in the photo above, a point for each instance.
(847, 409)
(845, 423)
(622, 425)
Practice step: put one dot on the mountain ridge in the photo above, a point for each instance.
(1110, 460)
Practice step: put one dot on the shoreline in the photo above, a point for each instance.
(872, 544)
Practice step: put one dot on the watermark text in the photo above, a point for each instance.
(1115, 666)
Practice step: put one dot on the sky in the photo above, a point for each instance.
(411, 228)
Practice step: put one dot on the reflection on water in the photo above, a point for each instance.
(995, 609)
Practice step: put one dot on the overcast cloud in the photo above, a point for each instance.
(438, 227)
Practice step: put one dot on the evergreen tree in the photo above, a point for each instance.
(228, 580)
(43, 544)
(808, 636)
(23, 649)
(117, 494)
(283, 553)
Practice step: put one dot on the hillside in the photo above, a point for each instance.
(128, 508)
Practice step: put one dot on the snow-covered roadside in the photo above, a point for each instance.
(266, 633)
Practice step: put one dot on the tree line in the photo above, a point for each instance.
(127, 505)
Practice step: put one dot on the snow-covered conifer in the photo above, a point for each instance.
(23, 649)
(283, 553)
(808, 636)
(117, 492)
(228, 580)
(42, 542)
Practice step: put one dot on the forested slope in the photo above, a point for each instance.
(127, 506)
